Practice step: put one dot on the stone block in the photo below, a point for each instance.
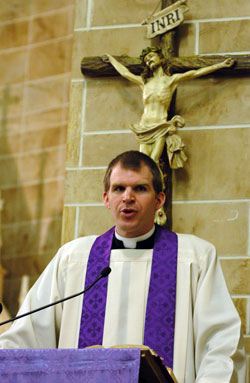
(101, 41)
(51, 59)
(75, 124)
(51, 26)
(236, 273)
(14, 35)
(214, 100)
(84, 186)
(68, 227)
(224, 36)
(100, 149)
(224, 224)
(217, 166)
(112, 104)
(94, 220)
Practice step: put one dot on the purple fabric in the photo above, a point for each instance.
(160, 313)
(74, 366)
(94, 301)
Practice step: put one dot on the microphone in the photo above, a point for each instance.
(104, 273)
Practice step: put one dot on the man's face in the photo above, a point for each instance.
(152, 60)
(132, 200)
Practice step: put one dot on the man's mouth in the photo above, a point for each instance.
(128, 212)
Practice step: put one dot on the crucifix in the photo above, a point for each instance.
(179, 68)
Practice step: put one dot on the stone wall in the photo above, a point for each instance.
(35, 68)
(211, 195)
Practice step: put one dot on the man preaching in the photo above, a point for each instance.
(165, 290)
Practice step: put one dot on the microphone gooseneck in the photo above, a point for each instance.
(104, 273)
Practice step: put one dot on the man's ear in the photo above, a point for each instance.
(160, 199)
(105, 199)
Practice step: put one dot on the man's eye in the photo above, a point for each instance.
(118, 188)
(140, 188)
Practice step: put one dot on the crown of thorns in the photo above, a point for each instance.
(147, 50)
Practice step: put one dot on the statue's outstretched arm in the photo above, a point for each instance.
(122, 70)
(189, 75)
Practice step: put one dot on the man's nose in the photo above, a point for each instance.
(128, 195)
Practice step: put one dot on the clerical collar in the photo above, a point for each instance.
(130, 243)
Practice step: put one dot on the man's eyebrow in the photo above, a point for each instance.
(143, 184)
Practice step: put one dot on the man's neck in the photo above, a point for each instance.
(131, 242)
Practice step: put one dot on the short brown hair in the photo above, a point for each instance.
(133, 160)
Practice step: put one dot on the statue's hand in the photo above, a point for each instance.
(228, 62)
(105, 58)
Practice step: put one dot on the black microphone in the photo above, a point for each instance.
(104, 273)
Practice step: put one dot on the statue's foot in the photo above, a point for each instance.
(160, 217)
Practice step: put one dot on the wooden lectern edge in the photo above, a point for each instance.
(143, 348)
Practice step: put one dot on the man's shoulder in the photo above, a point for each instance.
(78, 242)
(195, 249)
(76, 247)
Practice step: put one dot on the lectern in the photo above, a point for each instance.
(114, 365)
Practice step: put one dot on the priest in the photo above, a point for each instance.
(165, 290)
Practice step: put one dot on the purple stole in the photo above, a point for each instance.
(160, 312)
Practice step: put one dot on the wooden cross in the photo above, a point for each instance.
(96, 67)
(4, 104)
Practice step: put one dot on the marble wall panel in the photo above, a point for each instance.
(51, 26)
(224, 224)
(40, 6)
(11, 97)
(11, 292)
(50, 59)
(241, 306)
(10, 144)
(214, 101)
(33, 202)
(114, 41)
(94, 219)
(118, 102)
(214, 9)
(12, 126)
(9, 213)
(44, 118)
(32, 211)
(12, 66)
(8, 172)
(217, 166)
(81, 14)
(99, 150)
(42, 200)
(14, 10)
(113, 12)
(37, 166)
(237, 275)
(68, 227)
(84, 186)
(14, 35)
(75, 124)
(226, 36)
(49, 238)
(48, 93)
(247, 344)
(30, 238)
(38, 139)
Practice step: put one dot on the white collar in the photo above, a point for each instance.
(131, 242)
